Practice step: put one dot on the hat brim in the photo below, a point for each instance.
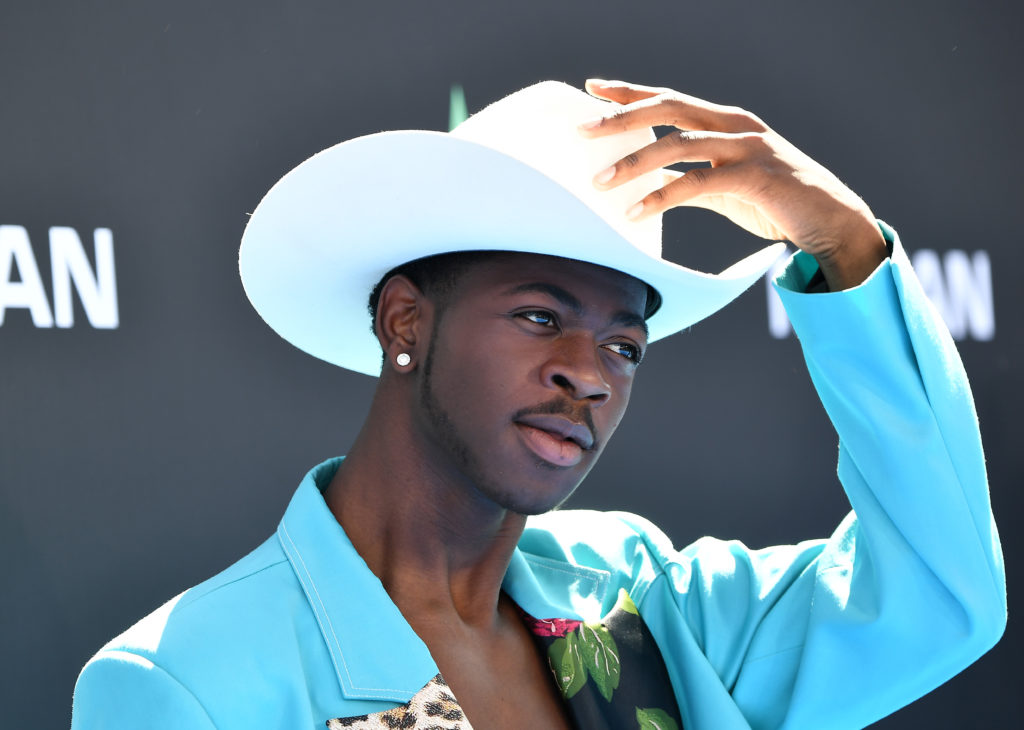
(326, 233)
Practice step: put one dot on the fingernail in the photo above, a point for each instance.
(591, 123)
(635, 211)
(605, 175)
(597, 82)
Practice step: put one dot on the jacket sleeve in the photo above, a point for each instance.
(908, 591)
(120, 689)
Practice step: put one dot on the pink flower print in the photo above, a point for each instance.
(551, 626)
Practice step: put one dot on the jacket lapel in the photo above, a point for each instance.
(376, 654)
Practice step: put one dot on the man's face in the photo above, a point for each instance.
(528, 374)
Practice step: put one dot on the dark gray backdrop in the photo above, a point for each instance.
(137, 461)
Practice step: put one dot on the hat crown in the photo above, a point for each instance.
(539, 126)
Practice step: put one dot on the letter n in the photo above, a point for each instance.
(28, 293)
(69, 264)
(969, 292)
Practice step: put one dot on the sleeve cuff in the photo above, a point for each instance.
(802, 274)
(871, 303)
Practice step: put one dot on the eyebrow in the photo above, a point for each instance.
(568, 300)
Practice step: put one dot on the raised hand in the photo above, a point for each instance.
(756, 179)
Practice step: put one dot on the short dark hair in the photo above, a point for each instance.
(435, 276)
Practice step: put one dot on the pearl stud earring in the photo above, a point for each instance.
(403, 359)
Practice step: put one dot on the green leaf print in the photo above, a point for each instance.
(600, 657)
(651, 718)
(567, 664)
(625, 603)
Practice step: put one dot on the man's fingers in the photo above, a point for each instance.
(715, 147)
(651, 107)
(687, 189)
(622, 92)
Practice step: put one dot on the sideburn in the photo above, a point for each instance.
(440, 421)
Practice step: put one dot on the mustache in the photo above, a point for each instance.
(562, 407)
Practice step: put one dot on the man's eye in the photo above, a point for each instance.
(539, 317)
(628, 351)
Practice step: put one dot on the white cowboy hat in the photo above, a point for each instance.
(516, 176)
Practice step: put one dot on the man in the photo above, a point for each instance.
(406, 587)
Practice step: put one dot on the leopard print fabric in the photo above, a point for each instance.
(432, 708)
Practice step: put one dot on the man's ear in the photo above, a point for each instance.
(403, 323)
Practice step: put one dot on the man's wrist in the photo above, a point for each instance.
(855, 258)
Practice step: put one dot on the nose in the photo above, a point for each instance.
(575, 368)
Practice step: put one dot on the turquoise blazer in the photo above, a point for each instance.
(829, 633)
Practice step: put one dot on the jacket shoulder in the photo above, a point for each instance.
(628, 549)
(238, 596)
(167, 669)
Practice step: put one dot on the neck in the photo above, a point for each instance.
(439, 547)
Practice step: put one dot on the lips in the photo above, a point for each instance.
(560, 427)
(555, 439)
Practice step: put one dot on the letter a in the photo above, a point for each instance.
(28, 293)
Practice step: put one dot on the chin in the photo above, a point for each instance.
(539, 496)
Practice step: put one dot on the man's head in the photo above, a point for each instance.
(521, 367)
